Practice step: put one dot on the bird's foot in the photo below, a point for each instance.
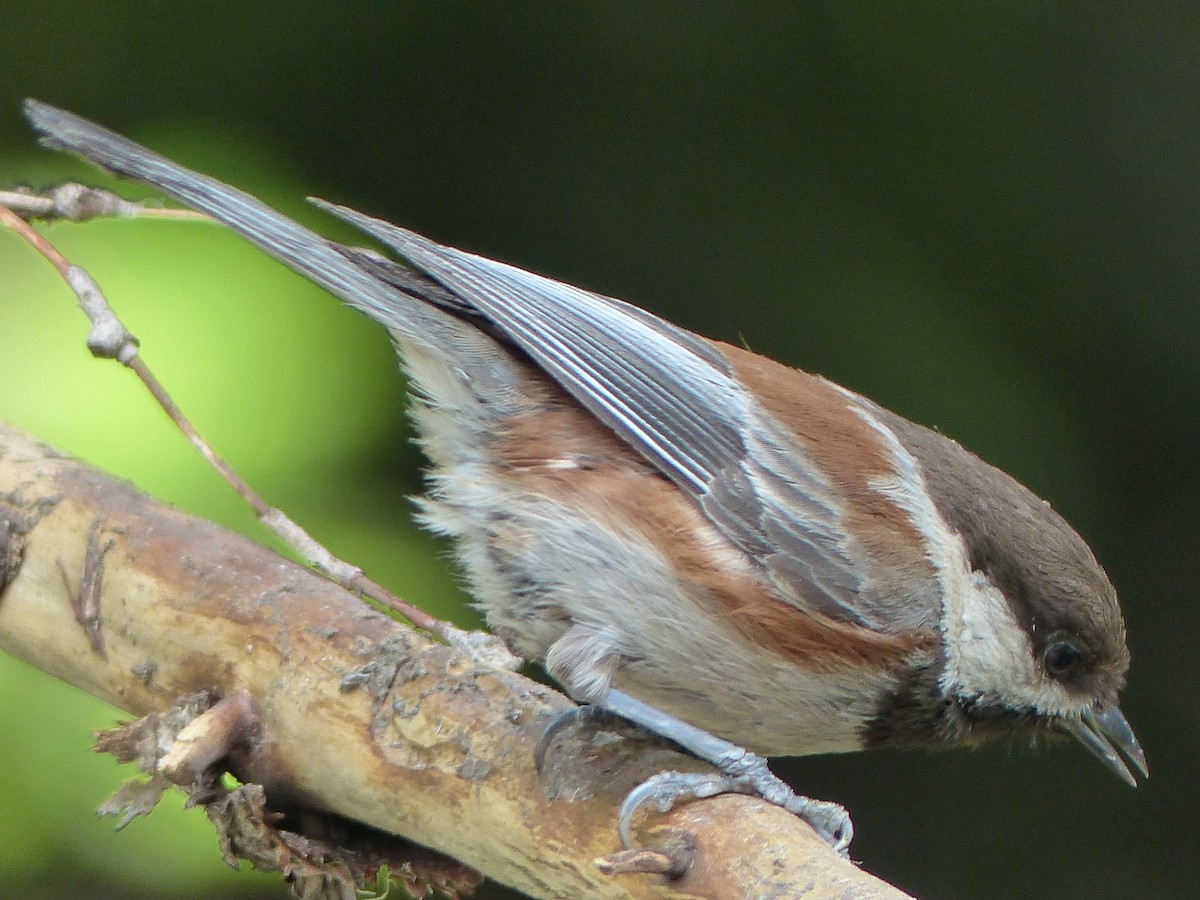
(739, 771)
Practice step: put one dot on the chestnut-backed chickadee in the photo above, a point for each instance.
(728, 551)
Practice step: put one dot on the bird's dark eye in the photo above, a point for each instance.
(1061, 658)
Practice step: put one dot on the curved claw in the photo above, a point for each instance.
(829, 820)
(665, 789)
(579, 716)
(563, 720)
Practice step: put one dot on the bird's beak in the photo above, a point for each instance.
(1103, 730)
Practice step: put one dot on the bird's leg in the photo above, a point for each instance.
(740, 771)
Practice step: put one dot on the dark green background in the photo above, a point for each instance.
(982, 215)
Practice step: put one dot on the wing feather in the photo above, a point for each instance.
(674, 399)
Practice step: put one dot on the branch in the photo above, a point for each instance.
(354, 713)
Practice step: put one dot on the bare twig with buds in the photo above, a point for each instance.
(110, 339)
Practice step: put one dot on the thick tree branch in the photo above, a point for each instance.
(354, 713)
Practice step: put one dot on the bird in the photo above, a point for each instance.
(737, 555)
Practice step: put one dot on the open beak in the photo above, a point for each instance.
(1103, 730)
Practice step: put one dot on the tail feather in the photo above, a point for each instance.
(455, 366)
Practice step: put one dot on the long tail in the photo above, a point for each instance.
(339, 270)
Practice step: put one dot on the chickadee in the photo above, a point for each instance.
(730, 552)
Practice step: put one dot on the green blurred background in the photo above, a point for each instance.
(983, 216)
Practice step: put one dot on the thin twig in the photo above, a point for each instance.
(110, 339)
(77, 203)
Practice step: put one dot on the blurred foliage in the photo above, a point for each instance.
(983, 216)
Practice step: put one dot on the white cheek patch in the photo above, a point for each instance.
(988, 652)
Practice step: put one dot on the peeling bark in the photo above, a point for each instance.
(353, 713)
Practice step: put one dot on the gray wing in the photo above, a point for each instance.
(665, 391)
(672, 397)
